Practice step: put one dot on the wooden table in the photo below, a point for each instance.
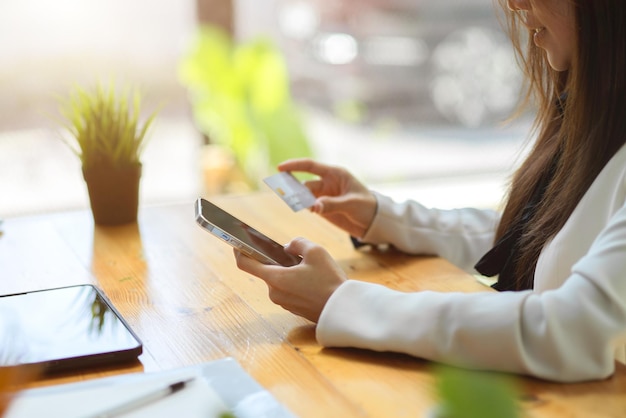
(180, 290)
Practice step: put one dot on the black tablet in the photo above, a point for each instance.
(63, 329)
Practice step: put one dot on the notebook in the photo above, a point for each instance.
(219, 387)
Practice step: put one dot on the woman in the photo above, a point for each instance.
(560, 243)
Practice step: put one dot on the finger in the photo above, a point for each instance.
(315, 186)
(252, 266)
(305, 165)
(307, 249)
(299, 246)
(333, 204)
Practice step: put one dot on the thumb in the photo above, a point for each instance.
(299, 246)
(334, 204)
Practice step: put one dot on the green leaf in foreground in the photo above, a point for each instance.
(471, 394)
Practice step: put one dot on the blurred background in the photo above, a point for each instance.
(410, 95)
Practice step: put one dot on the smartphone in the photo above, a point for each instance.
(64, 329)
(240, 235)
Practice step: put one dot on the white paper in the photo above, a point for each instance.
(219, 386)
(196, 400)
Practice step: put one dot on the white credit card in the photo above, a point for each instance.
(288, 188)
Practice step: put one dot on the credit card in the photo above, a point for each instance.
(295, 194)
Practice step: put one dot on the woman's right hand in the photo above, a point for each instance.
(340, 197)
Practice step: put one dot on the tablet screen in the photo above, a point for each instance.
(63, 328)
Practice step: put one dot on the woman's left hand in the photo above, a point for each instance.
(303, 289)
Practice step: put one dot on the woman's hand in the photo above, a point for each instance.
(303, 289)
(341, 198)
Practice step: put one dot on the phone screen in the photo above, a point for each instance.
(63, 328)
(224, 225)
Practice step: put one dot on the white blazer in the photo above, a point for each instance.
(565, 329)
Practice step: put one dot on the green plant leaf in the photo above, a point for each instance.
(103, 126)
(265, 75)
(289, 139)
(241, 100)
(472, 394)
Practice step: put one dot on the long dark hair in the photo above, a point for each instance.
(576, 136)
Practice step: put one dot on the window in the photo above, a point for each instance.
(409, 94)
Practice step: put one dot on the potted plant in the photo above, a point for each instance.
(105, 133)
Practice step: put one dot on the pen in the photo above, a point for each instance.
(144, 399)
